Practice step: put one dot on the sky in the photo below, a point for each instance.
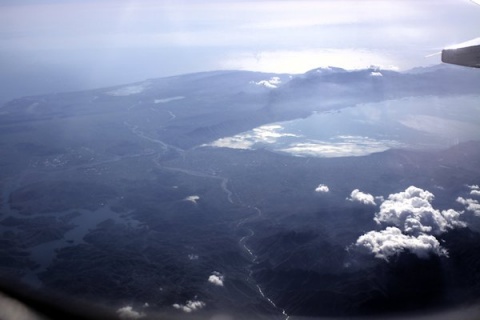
(53, 45)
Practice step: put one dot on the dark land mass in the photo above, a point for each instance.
(111, 197)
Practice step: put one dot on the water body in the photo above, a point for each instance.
(415, 122)
(43, 254)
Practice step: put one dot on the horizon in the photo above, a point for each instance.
(55, 45)
(376, 68)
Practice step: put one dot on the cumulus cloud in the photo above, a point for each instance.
(190, 306)
(470, 205)
(128, 313)
(475, 192)
(391, 241)
(322, 188)
(216, 278)
(361, 197)
(412, 224)
(413, 213)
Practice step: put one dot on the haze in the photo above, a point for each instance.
(53, 46)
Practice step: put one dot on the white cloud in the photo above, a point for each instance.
(272, 83)
(271, 133)
(415, 224)
(192, 199)
(264, 134)
(128, 313)
(361, 197)
(475, 192)
(376, 74)
(239, 141)
(190, 306)
(412, 212)
(470, 205)
(391, 241)
(216, 278)
(322, 188)
(337, 146)
(340, 146)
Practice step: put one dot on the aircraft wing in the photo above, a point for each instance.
(465, 54)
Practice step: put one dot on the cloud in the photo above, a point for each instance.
(475, 192)
(246, 140)
(190, 306)
(216, 278)
(413, 213)
(412, 224)
(361, 197)
(340, 146)
(192, 199)
(322, 188)
(272, 83)
(391, 241)
(470, 205)
(128, 313)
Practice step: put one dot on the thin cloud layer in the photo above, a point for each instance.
(412, 224)
(269, 134)
(216, 278)
(340, 146)
(190, 306)
(413, 213)
(391, 241)
(362, 197)
(322, 188)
